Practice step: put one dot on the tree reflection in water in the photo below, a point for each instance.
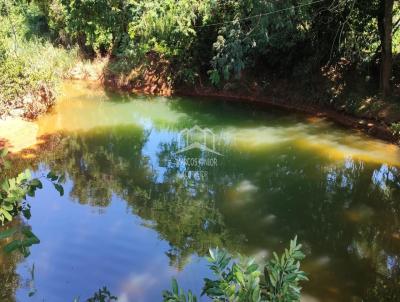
(346, 212)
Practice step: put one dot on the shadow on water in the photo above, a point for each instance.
(253, 201)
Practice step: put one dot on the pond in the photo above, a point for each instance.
(152, 183)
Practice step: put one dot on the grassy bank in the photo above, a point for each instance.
(30, 65)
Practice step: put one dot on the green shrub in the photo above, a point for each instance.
(244, 281)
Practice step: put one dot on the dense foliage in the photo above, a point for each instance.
(224, 38)
(243, 280)
(220, 40)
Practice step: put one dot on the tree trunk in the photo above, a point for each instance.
(387, 60)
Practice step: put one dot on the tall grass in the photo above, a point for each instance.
(34, 64)
(27, 62)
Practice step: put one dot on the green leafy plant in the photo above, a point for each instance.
(177, 294)
(238, 282)
(243, 280)
(13, 201)
(283, 275)
(14, 191)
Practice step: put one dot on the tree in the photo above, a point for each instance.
(385, 24)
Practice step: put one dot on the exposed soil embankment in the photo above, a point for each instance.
(152, 78)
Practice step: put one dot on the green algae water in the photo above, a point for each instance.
(152, 183)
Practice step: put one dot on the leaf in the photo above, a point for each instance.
(252, 268)
(12, 246)
(8, 207)
(190, 296)
(30, 241)
(239, 276)
(175, 286)
(7, 233)
(212, 254)
(256, 295)
(31, 191)
(273, 278)
(6, 214)
(36, 183)
(59, 188)
(209, 259)
(27, 213)
(27, 231)
(214, 292)
(225, 262)
(52, 176)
